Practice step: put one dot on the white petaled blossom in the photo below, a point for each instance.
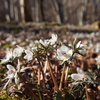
(29, 55)
(12, 54)
(97, 49)
(17, 51)
(82, 51)
(80, 75)
(98, 59)
(45, 42)
(8, 57)
(53, 39)
(14, 73)
(80, 47)
(64, 53)
(49, 41)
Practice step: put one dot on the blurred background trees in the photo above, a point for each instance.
(77, 12)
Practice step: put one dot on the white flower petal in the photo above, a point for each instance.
(23, 69)
(80, 71)
(53, 39)
(82, 51)
(77, 77)
(7, 57)
(98, 59)
(17, 51)
(6, 84)
(28, 52)
(49, 41)
(79, 45)
(29, 55)
(64, 53)
(10, 67)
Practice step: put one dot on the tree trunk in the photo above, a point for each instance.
(55, 9)
(6, 5)
(16, 11)
(65, 16)
(32, 2)
(11, 9)
(36, 11)
(41, 15)
(81, 12)
(22, 10)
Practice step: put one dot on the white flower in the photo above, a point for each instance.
(8, 57)
(80, 76)
(53, 39)
(97, 49)
(13, 54)
(29, 55)
(17, 51)
(82, 51)
(13, 73)
(79, 45)
(45, 42)
(64, 53)
(98, 59)
(49, 41)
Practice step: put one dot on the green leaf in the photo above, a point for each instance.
(58, 95)
(6, 46)
(68, 97)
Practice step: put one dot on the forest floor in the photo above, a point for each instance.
(25, 35)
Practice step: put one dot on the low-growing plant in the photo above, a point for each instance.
(44, 72)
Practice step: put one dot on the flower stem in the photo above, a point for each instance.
(87, 95)
(52, 75)
(66, 76)
(38, 76)
(62, 77)
(40, 64)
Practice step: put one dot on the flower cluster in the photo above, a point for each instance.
(14, 73)
(17, 52)
(40, 56)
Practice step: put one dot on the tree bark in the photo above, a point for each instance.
(39, 16)
(55, 9)
(32, 2)
(41, 10)
(16, 11)
(36, 11)
(81, 12)
(22, 10)
(65, 16)
(11, 9)
(7, 15)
